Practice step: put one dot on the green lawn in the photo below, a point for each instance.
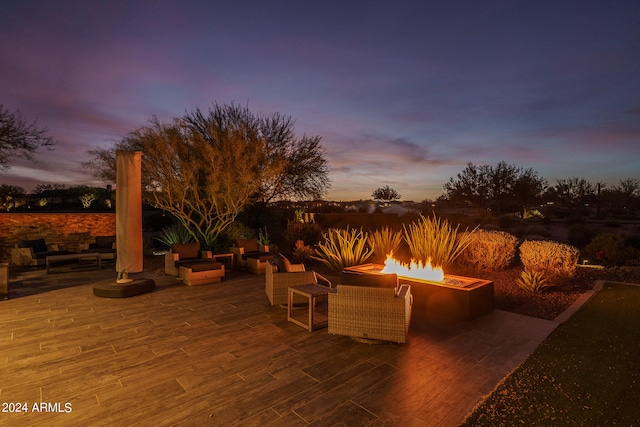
(586, 373)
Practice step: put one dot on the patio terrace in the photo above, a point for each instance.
(221, 355)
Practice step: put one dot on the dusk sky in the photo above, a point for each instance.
(403, 93)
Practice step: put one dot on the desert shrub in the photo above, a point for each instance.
(607, 249)
(342, 248)
(489, 250)
(548, 257)
(532, 214)
(533, 281)
(384, 242)
(579, 235)
(176, 233)
(309, 232)
(238, 230)
(302, 252)
(435, 240)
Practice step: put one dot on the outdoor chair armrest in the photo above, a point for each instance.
(295, 268)
(236, 250)
(170, 259)
(23, 256)
(325, 282)
(403, 291)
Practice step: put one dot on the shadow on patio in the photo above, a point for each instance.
(221, 355)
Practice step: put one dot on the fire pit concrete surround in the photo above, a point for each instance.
(456, 296)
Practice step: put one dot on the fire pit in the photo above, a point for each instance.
(435, 292)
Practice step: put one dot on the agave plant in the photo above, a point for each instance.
(533, 281)
(342, 248)
(384, 242)
(436, 240)
(176, 233)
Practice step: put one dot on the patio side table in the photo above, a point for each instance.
(312, 292)
(52, 260)
(225, 257)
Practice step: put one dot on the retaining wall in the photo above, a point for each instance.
(71, 230)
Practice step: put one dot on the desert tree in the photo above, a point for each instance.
(629, 187)
(471, 185)
(203, 168)
(385, 194)
(528, 189)
(19, 138)
(574, 191)
(8, 195)
(626, 194)
(497, 186)
(304, 169)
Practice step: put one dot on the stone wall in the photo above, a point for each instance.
(72, 231)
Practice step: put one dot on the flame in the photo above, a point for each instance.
(414, 270)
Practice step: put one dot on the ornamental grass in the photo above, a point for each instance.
(342, 248)
(384, 242)
(435, 240)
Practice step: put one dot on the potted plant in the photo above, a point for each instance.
(263, 240)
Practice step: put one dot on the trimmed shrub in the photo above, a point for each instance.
(489, 250)
(342, 248)
(533, 281)
(548, 257)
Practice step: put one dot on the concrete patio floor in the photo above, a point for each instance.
(221, 355)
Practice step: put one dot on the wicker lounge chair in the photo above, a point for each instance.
(279, 279)
(184, 253)
(247, 253)
(371, 313)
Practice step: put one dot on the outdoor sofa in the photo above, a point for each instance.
(34, 252)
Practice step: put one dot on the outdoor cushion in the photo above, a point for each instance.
(369, 280)
(38, 245)
(105, 242)
(249, 245)
(262, 256)
(281, 261)
(196, 266)
(186, 250)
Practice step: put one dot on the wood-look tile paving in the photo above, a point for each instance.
(221, 355)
